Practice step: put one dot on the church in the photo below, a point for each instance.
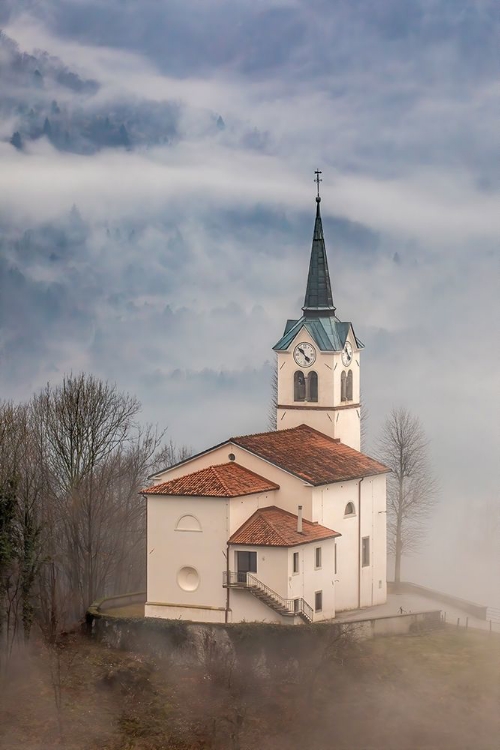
(287, 526)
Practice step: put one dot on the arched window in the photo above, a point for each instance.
(343, 386)
(312, 386)
(299, 386)
(188, 523)
(348, 394)
(350, 510)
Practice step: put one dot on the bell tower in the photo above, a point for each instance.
(319, 358)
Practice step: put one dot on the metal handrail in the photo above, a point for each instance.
(297, 606)
(493, 614)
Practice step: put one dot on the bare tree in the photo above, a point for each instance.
(411, 486)
(169, 455)
(363, 427)
(273, 404)
(96, 458)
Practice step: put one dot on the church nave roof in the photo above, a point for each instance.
(311, 455)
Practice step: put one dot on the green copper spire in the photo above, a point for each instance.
(319, 297)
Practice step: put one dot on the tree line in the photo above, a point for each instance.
(72, 525)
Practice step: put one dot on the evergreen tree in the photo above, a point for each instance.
(124, 139)
(47, 128)
(16, 140)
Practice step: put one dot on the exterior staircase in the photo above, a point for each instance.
(285, 607)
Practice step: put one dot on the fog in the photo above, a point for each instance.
(157, 232)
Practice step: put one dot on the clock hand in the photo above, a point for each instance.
(307, 359)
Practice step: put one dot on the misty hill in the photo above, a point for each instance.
(437, 689)
(40, 96)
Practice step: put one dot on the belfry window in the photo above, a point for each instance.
(312, 386)
(349, 386)
(299, 386)
(343, 389)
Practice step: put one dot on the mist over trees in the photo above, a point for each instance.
(72, 526)
(411, 485)
(47, 99)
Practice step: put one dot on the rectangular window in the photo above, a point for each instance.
(295, 562)
(335, 558)
(317, 557)
(318, 601)
(365, 551)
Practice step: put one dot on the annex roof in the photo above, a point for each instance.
(275, 527)
(222, 480)
(314, 457)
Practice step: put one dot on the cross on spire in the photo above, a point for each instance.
(317, 181)
(319, 298)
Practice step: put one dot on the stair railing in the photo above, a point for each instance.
(297, 606)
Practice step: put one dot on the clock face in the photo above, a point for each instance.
(304, 355)
(347, 354)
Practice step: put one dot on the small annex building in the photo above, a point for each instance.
(284, 526)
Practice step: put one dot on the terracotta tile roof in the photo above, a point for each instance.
(274, 527)
(311, 455)
(223, 480)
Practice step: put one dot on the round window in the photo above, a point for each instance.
(188, 579)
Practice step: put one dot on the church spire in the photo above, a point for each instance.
(319, 297)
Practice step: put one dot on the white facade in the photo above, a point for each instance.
(345, 581)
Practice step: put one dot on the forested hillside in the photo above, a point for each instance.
(41, 97)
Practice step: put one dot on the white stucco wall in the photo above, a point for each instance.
(356, 585)
(170, 551)
(241, 508)
(310, 579)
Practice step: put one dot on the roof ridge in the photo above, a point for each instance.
(267, 432)
(219, 478)
(271, 526)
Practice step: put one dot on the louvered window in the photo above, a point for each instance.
(349, 386)
(312, 384)
(299, 386)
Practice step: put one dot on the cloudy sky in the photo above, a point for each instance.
(170, 264)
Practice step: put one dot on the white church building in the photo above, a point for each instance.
(287, 526)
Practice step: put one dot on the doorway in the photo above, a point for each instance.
(246, 562)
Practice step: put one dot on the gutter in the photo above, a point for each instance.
(228, 588)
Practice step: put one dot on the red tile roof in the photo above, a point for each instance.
(310, 455)
(274, 527)
(223, 480)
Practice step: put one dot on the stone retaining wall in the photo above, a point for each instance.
(184, 642)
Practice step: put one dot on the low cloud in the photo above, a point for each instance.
(176, 273)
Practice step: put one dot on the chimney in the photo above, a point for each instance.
(299, 520)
